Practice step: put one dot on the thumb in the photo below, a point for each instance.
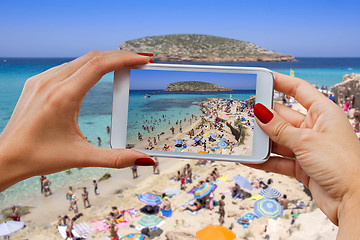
(115, 158)
(279, 130)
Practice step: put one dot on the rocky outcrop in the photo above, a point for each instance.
(350, 86)
(202, 48)
(195, 86)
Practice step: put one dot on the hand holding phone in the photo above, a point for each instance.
(191, 111)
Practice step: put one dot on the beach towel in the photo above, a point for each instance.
(82, 229)
(249, 216)
(62, 231)
(100, 225)
(133, 212)
(192, 190)
(166, 213)
(188, 202)
(222, 179)
(256, 197)
(195, 212)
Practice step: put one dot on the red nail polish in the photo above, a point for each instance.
(144, 162)
(263, 113)
(146, 54)
(151, 61)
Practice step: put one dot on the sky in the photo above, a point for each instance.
(303, 28)
(141, 79)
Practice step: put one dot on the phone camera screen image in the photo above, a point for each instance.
(191, 111)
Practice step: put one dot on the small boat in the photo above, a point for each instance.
(5, 60)
(147, 95)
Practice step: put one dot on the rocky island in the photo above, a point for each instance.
(195, 86)
(202, 48)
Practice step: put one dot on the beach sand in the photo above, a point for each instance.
(235, 208)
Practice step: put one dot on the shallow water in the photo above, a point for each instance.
(95, 113)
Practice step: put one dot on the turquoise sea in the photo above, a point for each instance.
(95, 113)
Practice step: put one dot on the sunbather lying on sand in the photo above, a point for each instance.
(198, 204)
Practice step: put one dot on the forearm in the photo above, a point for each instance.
(349, 217)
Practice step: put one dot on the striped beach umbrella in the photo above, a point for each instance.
(268, 207)
(270, 193)
(149, 199)
(198, 138)
(222, 145)
(204, 189)
(134, 236)
(149, 220)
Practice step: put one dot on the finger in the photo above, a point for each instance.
(90, 73)
(71, 67)
(295, 118)
(279, 130)
(301, 90)
(93, 156)
(282, 150)
(283, 166)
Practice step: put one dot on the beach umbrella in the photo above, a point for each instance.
(212, 135)
(268, 207)
(149, 220)
(198, 138)
(149, 199)
(215, 232)
(178, 141)
(270, 193)
(10, 227)
(204, 189)
(243, 182)
(134, 236)
(178, 149)
(223, 139)
(222, 145)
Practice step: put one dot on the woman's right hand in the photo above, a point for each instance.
(320, 148)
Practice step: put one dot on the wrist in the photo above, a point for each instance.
(348, 215)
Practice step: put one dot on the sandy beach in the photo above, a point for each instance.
(41, 222)
(202, 133)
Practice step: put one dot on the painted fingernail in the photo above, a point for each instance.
(151, 61)
(263, 113)
(144, 162)
(145, 54)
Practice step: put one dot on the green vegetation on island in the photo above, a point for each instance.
(201, 48)
(195, 86)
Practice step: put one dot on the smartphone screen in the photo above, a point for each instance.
(190, 111)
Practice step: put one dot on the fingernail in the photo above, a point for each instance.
(263, 113)
(151, 61)
(144, 162)
(146, 54)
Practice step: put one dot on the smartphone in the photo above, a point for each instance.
(191, 111)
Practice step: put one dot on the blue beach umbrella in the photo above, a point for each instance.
(178, 141)
(222, 145)
(204, 189)
(270, 193)
(243, 182)
(223, 139)
(268, 207)
(149, 199)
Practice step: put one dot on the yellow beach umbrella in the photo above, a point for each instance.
(215, 232)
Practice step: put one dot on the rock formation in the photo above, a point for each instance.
(350, 86)
(195, 86)
(202, 48)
